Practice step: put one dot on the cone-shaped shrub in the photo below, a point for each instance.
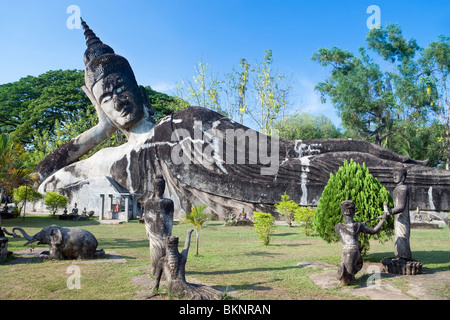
(353, 182)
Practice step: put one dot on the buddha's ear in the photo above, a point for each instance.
(146, 101)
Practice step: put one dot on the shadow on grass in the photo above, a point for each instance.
(257, 286)
(289, 244)
(223, 272)
(122, 243)
(43, 221)
(262, 254)
(285, 234)
(27, 256)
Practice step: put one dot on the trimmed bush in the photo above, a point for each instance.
(353, 182)
(264, 225)
(305, 217)
(54, 201)
(287, 208)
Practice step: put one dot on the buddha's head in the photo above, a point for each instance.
(399, 173)
(159, 185)
(111, 80)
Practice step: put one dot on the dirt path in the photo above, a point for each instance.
(431, 285)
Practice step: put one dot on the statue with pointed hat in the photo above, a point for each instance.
(121, 104)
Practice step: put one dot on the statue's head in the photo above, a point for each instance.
(112, 82)
(172, 242)
(159, 185)
(399, 173)
(348, 208)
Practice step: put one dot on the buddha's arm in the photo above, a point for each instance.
(74, 149)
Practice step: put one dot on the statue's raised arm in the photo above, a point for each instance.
(77, 147)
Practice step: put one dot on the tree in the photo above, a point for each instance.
(374, 103)
(237, 87)
(436, 62)
(287, 208)
(197, 217)
(34, 103)
(205, 91)
(264, 225)
(164, 104)
(353, 182)
(306, 127)
(53, 201)
(231, 96)
(272, 91)
(23, 194)
(305, 217)
(14, 168)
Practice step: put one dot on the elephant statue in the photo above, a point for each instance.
(65, 243)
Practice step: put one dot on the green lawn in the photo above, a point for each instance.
(229, 256)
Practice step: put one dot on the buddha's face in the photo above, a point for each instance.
(398, 177)
(120, 99)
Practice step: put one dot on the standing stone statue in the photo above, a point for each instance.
(402, 222)
(403, 262)
(348, 232)
(158, 218)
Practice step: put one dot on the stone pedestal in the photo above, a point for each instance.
(401, 266)
(3, 249)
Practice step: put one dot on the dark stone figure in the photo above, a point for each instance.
(3, 248)
(172, 265)
(75, 210)
(348, 232)
(158, 218)
(4, 253)
(403, 262)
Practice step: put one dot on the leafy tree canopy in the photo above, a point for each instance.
(46, 111)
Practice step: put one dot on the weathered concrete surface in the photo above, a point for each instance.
(431, 285)
(303, 167)
(213, 175)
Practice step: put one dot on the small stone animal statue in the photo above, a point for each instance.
(65, 243)
(172, 265)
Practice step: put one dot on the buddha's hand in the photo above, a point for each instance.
(103, 121)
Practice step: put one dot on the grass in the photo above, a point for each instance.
(228, 256)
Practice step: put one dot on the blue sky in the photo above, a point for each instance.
(164, 39)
